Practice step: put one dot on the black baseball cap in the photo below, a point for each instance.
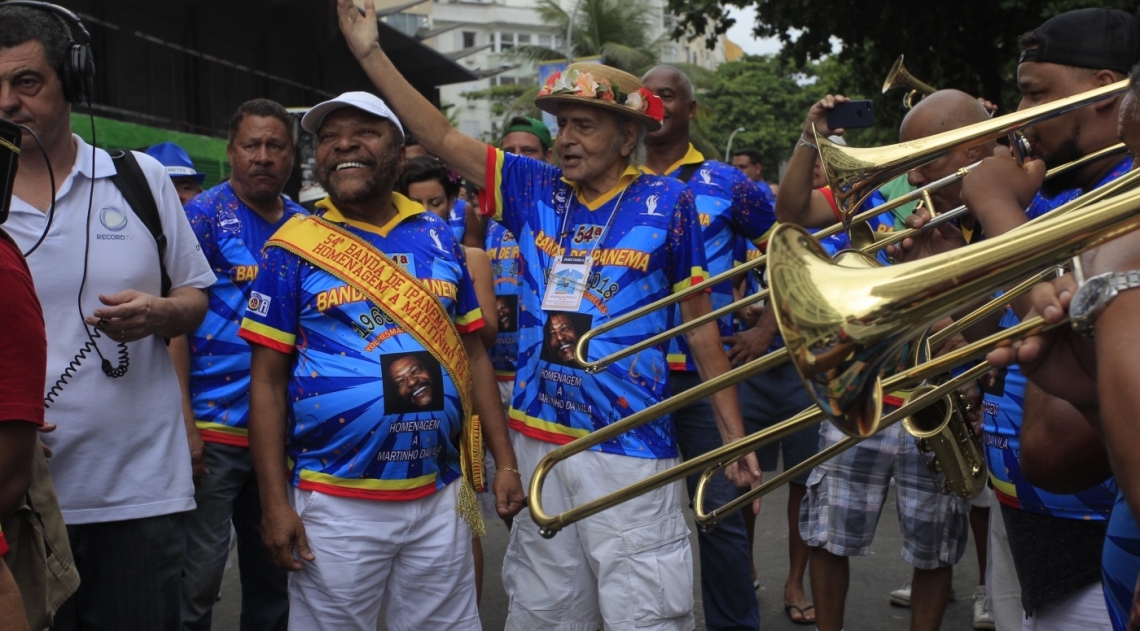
(1088, 38)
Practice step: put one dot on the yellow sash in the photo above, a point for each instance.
(413, 307)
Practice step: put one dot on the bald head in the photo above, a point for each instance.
(673, 76)
(942, 111)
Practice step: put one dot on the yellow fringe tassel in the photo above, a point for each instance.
(471, 464)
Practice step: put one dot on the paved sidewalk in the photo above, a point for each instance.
(872, 579)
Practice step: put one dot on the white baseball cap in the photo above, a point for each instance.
(311, 121)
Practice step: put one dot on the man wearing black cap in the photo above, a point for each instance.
(1099, 375)
(1052, 540)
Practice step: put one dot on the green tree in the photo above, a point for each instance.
(767, 96)
(970, 45)
(618, 31)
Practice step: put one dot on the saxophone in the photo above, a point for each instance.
(947, 442)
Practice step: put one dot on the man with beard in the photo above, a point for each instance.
(1059, 583)
(413, 382)
(732, 211)
(1093, 367)
(561, 338)
(232, 221)
(599, 238)
(381, 508)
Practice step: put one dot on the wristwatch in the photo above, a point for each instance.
(1095, 294)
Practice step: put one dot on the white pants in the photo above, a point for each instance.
(627, 567)
(1082, 610)
(412, 557)
(1003, 590)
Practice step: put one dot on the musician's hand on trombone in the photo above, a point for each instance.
(746, 474)
(998, 191)
(941, 239)
(1059, 361)
(753, 342)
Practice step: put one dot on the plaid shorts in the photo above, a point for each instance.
(846, 494)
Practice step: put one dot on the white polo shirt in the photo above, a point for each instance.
(120, 451)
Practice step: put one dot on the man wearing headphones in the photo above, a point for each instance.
(121, 463)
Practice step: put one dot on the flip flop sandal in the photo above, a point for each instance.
(803, 614)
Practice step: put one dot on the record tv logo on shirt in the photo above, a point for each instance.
(114, 220)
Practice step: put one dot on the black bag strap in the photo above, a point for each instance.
(688, 170)
(132, 184)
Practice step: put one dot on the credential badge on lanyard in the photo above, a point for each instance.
(570, 275)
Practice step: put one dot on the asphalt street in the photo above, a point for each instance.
(872, 579)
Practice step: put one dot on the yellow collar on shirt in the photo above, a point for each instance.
(692, 156)
(404, 208)
(629, 175)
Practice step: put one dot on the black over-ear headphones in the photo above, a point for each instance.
(79, 67)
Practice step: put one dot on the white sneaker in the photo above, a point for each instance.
(982, 618)
(901, 596)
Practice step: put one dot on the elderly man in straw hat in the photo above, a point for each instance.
(597, 238)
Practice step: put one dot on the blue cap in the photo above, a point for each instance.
(176, 161)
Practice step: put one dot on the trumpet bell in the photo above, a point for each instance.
(898, 77)
(945, 439)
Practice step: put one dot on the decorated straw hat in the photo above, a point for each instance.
(605, 87)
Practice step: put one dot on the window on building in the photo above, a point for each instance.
(506, 42)
(545, 40)
(468, 39)
(668, 21)
(507, 81)
(407, 23)
(524, 39)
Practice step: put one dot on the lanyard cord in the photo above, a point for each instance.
(605, 229)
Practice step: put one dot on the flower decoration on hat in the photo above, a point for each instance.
(577, 83)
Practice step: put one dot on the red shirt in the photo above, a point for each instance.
(23, 341)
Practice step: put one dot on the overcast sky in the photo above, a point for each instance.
(741, 33)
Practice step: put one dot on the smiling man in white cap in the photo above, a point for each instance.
(615, 239)
(378, 503)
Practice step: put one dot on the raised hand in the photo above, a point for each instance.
(359, 30)
(817, 117)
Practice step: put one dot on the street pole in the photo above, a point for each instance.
(728, 147)
(570, 33)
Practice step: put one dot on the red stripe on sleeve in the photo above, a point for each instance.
(487, 195)
(255, 338)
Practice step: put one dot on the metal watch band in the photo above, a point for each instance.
(1125, 280)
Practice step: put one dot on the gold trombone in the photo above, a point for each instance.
(857, 170)
(855, 173)
(898, 77)
(890, 306)
(842, 325)
(890, 238)
(864, 240)
(707, 519)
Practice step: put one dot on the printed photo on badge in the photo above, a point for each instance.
(507, 313)
(560, 337)
(413, 382)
